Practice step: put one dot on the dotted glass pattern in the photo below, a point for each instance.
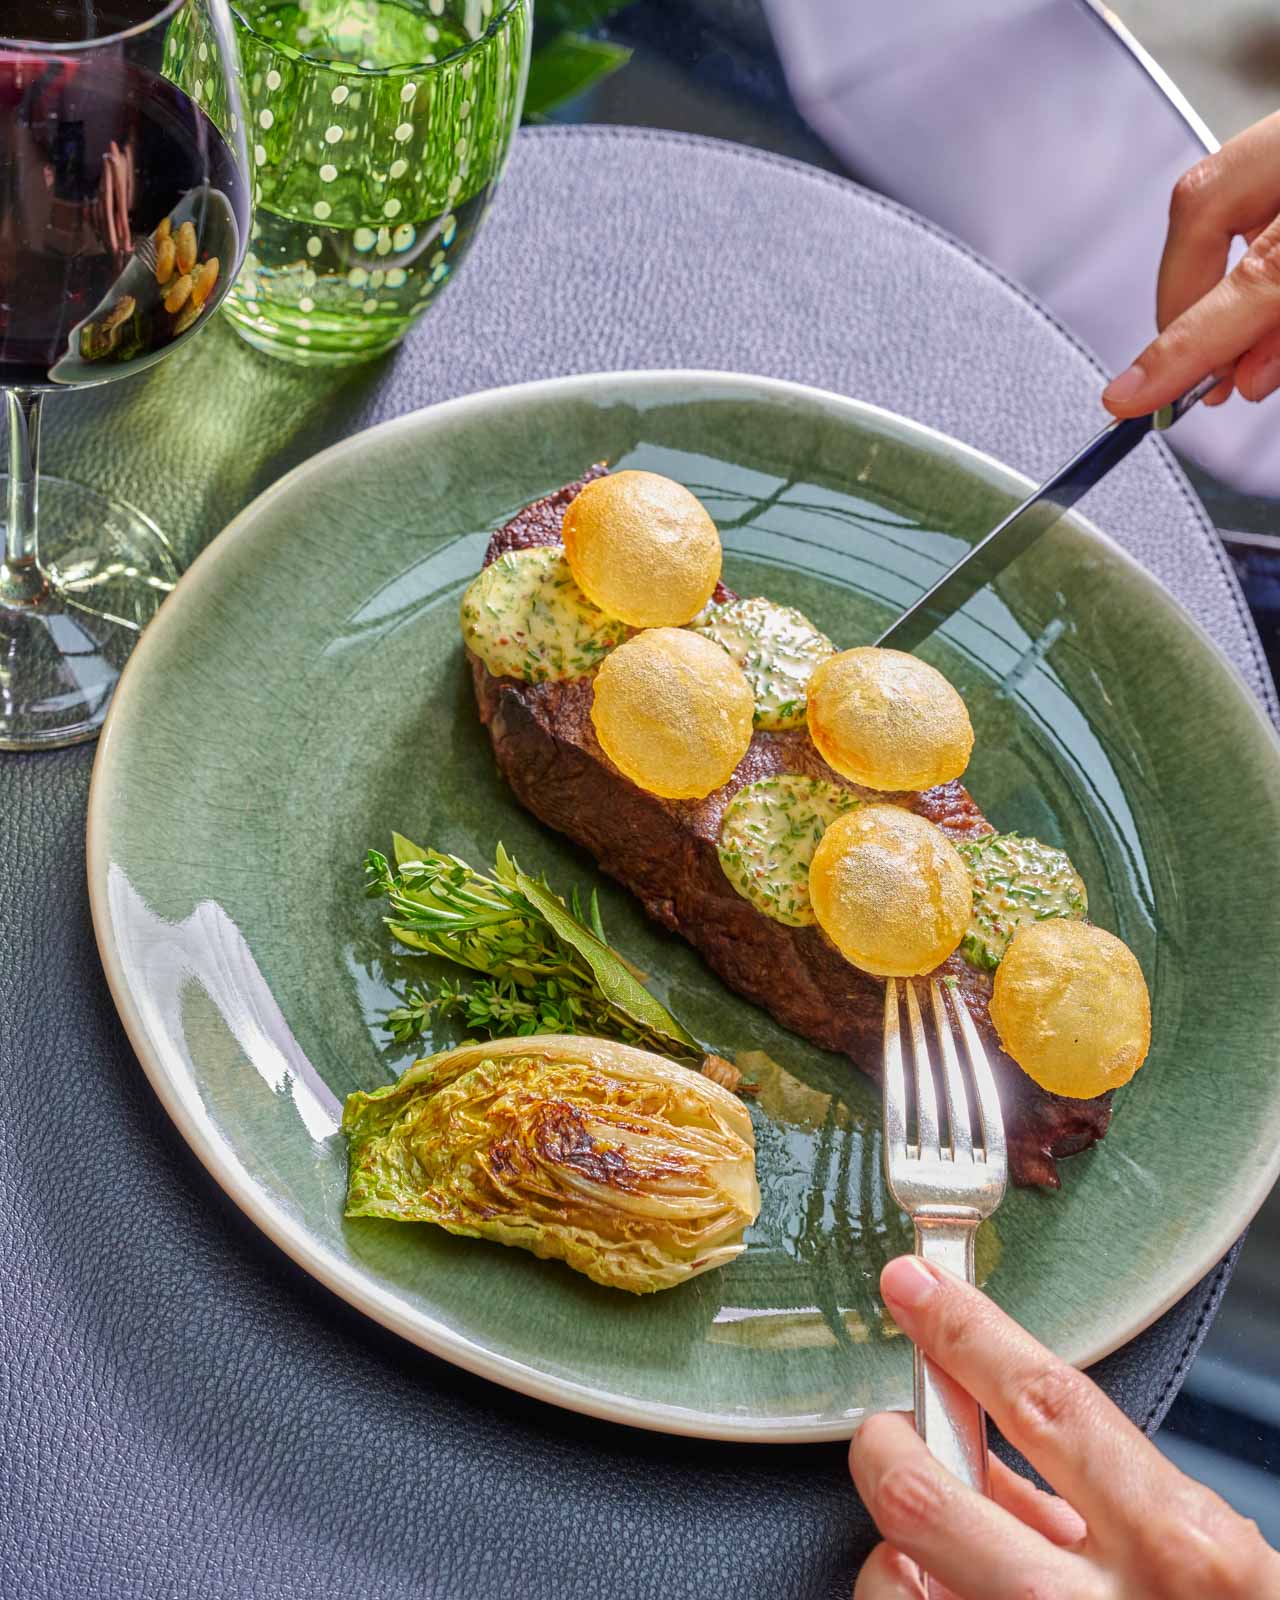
(377, 133)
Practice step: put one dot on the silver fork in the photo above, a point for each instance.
(145, 251)
(947, 1187)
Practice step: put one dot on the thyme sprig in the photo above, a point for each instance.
(546, 966)
(493, 1006)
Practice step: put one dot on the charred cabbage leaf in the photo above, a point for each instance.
(631, 1169)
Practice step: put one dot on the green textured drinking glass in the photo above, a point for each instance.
(378, 131)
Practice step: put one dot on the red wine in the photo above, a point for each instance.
(97, 156)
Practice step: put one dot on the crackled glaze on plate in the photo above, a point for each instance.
(303, 692)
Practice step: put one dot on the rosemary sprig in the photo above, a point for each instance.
(546, 967)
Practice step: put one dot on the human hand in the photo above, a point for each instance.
(1208, 322)
(1130, 1526)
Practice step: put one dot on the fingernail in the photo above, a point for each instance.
(908, 1283)
(1127, 386)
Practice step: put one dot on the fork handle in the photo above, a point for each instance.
(950, 1422)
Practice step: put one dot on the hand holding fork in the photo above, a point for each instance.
(1129, 1522)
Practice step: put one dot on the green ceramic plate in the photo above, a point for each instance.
(303, 693)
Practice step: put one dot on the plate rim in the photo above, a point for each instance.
(359, 1288)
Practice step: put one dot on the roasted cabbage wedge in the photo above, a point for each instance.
(631, 1169)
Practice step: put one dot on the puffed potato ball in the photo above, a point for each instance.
(890, 891)
(1071, 1007)
(642, 548)
(888, 720)
(673, 712)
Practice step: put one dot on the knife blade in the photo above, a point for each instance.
(1031, 520)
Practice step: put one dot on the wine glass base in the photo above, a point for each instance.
(106, 569)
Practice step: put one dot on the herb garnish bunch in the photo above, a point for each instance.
(547, 967)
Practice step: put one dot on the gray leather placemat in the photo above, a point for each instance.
(185, 1413)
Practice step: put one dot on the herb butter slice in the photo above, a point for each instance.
(1016, 880)
(525, 617)
(770, 831)
(777, 648)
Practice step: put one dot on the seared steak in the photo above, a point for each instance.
(664, 851)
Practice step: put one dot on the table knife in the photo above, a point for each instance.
(1034, 517)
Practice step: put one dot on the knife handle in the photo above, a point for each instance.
(1168, 415)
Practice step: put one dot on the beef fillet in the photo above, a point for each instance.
(664, 851)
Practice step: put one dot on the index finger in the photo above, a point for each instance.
(1220, 328)
(1065, 1426)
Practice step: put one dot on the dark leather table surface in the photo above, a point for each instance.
(184, 1413)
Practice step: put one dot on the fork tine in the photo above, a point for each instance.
(988, 1095)
(895, 1081)
(926, 1094)
(957, 1100)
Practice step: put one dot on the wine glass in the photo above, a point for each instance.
(124, 216)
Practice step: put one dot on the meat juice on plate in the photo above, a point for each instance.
(96, 154)
(377, 131)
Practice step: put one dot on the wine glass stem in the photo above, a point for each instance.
(21, 581)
